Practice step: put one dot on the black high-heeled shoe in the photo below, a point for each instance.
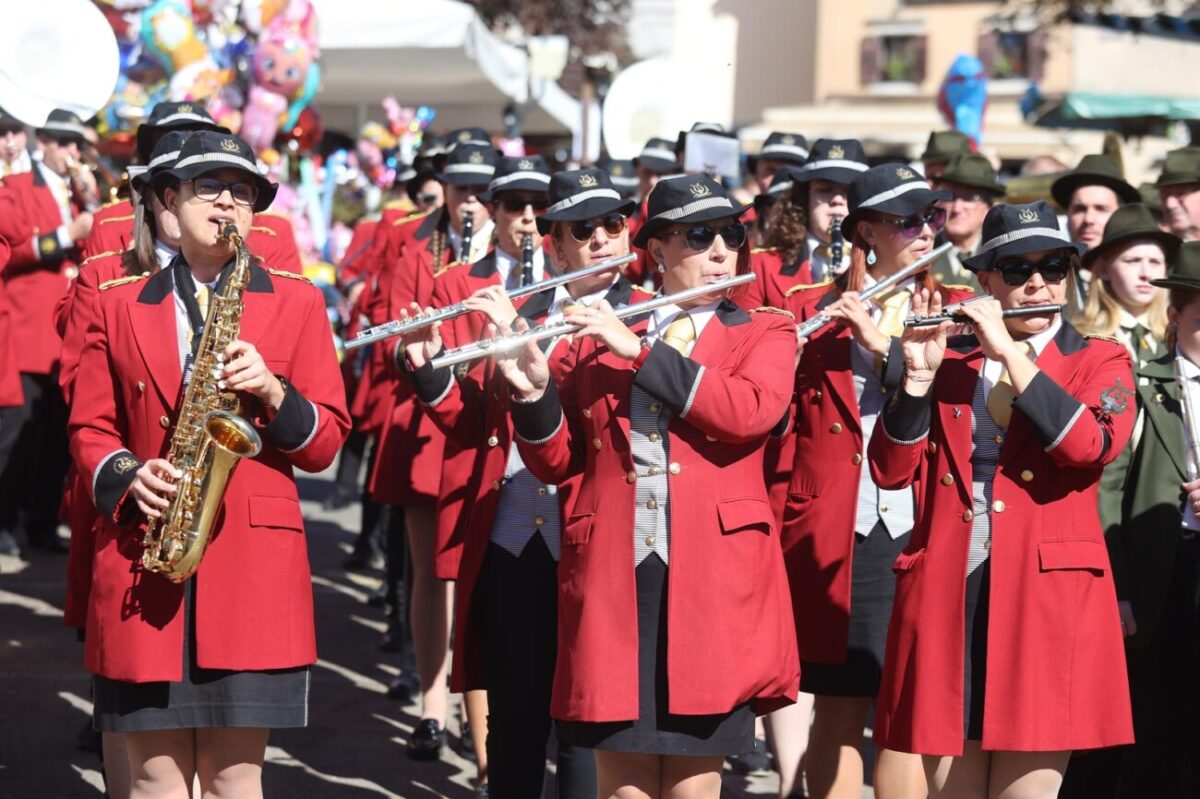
(427, 740)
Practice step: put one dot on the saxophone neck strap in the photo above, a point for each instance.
(185, 287)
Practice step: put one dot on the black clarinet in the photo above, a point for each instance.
(468, 233)
(836, 245)
(527, 259)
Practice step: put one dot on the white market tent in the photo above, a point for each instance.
(428, 52)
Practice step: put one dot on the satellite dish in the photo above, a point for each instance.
(636, 108)
(56, 54)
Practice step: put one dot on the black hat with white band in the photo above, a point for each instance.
(791, 148)
(527, 173)
(469, 165)
(209, 151)
(685, 199)
(892, 189)
(10, 122)
(477, 136)
(580, 194)
(622, 173)
(170, 115)
(64, 125)
(835, 160)
(1018, 230)
(658, 156)
(164, 158)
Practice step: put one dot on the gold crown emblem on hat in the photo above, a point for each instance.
(788, 140)
(588, 182)
(1027, 215)
(618, 170)
(464, 135)
(904, 173)
(229, 145)
(475, 157)
(836, 151)
(525, 164)
(699, 190)
(184, 109)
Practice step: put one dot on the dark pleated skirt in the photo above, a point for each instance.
(872, 590)
(657, 731)
(205, 697)
(975, 642)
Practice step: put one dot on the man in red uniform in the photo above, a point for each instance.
(42, 221)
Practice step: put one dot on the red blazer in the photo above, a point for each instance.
(826, 448)
(38, 269)
(729, 629)
(775, 278)
(11, 392)
(112, 230)
(1056, 667)
(353, 266)
(254, 591)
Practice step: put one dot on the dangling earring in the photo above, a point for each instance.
(871, 256)
(662, 270)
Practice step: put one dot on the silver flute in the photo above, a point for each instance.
(511, 344)
(820, 321)
(398, 327)
(953, 313)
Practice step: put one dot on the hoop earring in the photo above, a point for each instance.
(871, 258)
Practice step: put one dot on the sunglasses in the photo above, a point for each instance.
(701, 237)
(515, 205)
(911, 226)
(211, 189)
(1017, 273)
(427, 198)
(613, 224)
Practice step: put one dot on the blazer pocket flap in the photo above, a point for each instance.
(1073, 554)
(281, 512)
(578, 528)
(744, 514)
(905, 561)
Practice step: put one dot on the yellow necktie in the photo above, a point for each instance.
(680, 334)
(201, 301)
(1000, 398)
(891, 323)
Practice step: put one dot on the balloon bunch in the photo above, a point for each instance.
(962, 97)
(384, 149)
(252, 63)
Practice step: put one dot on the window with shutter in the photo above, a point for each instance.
(1035, 47)
(903, 59)
(871, 60)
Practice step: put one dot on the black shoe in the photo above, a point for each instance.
(427, 741)
(54, 545)
(87, 739)
(756, 761)
(402, 689)
(466, 747)
(9, 545)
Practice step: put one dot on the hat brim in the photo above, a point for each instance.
(994, 189)
(651, 228)
(1062, 189)
(147, 133)
(833, 174)
(1176, 180)
(1169, 242)
(524, 184)
(659, 166)
(588, 209)
(1177, 282)
(465, 178)
(1032, 244)
(266, 189)
(903, 205)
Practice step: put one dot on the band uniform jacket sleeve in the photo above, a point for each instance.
(725, 560)
(1056, 671)
(254, 604)
(112, 230)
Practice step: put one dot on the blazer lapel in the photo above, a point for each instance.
(1161, 402)
(155, 331)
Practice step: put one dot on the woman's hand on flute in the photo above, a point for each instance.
(423, 343)
(924, 347)
(526, 370)
(599, 322)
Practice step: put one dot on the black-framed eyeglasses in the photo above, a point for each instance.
(1017, 273)
(701, 237)
(211, 188)
(582, 231)
(911, 226)
(515, 205)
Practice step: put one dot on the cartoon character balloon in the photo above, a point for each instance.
(962, 97)
(286, 75)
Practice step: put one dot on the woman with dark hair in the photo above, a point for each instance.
(666, 420)
(839, 548)
(194, 674)
(1004, 650)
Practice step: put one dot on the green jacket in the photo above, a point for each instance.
(1141, 499)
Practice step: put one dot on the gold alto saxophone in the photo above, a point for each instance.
(210, 437)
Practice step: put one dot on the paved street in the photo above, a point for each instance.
(352, 748)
